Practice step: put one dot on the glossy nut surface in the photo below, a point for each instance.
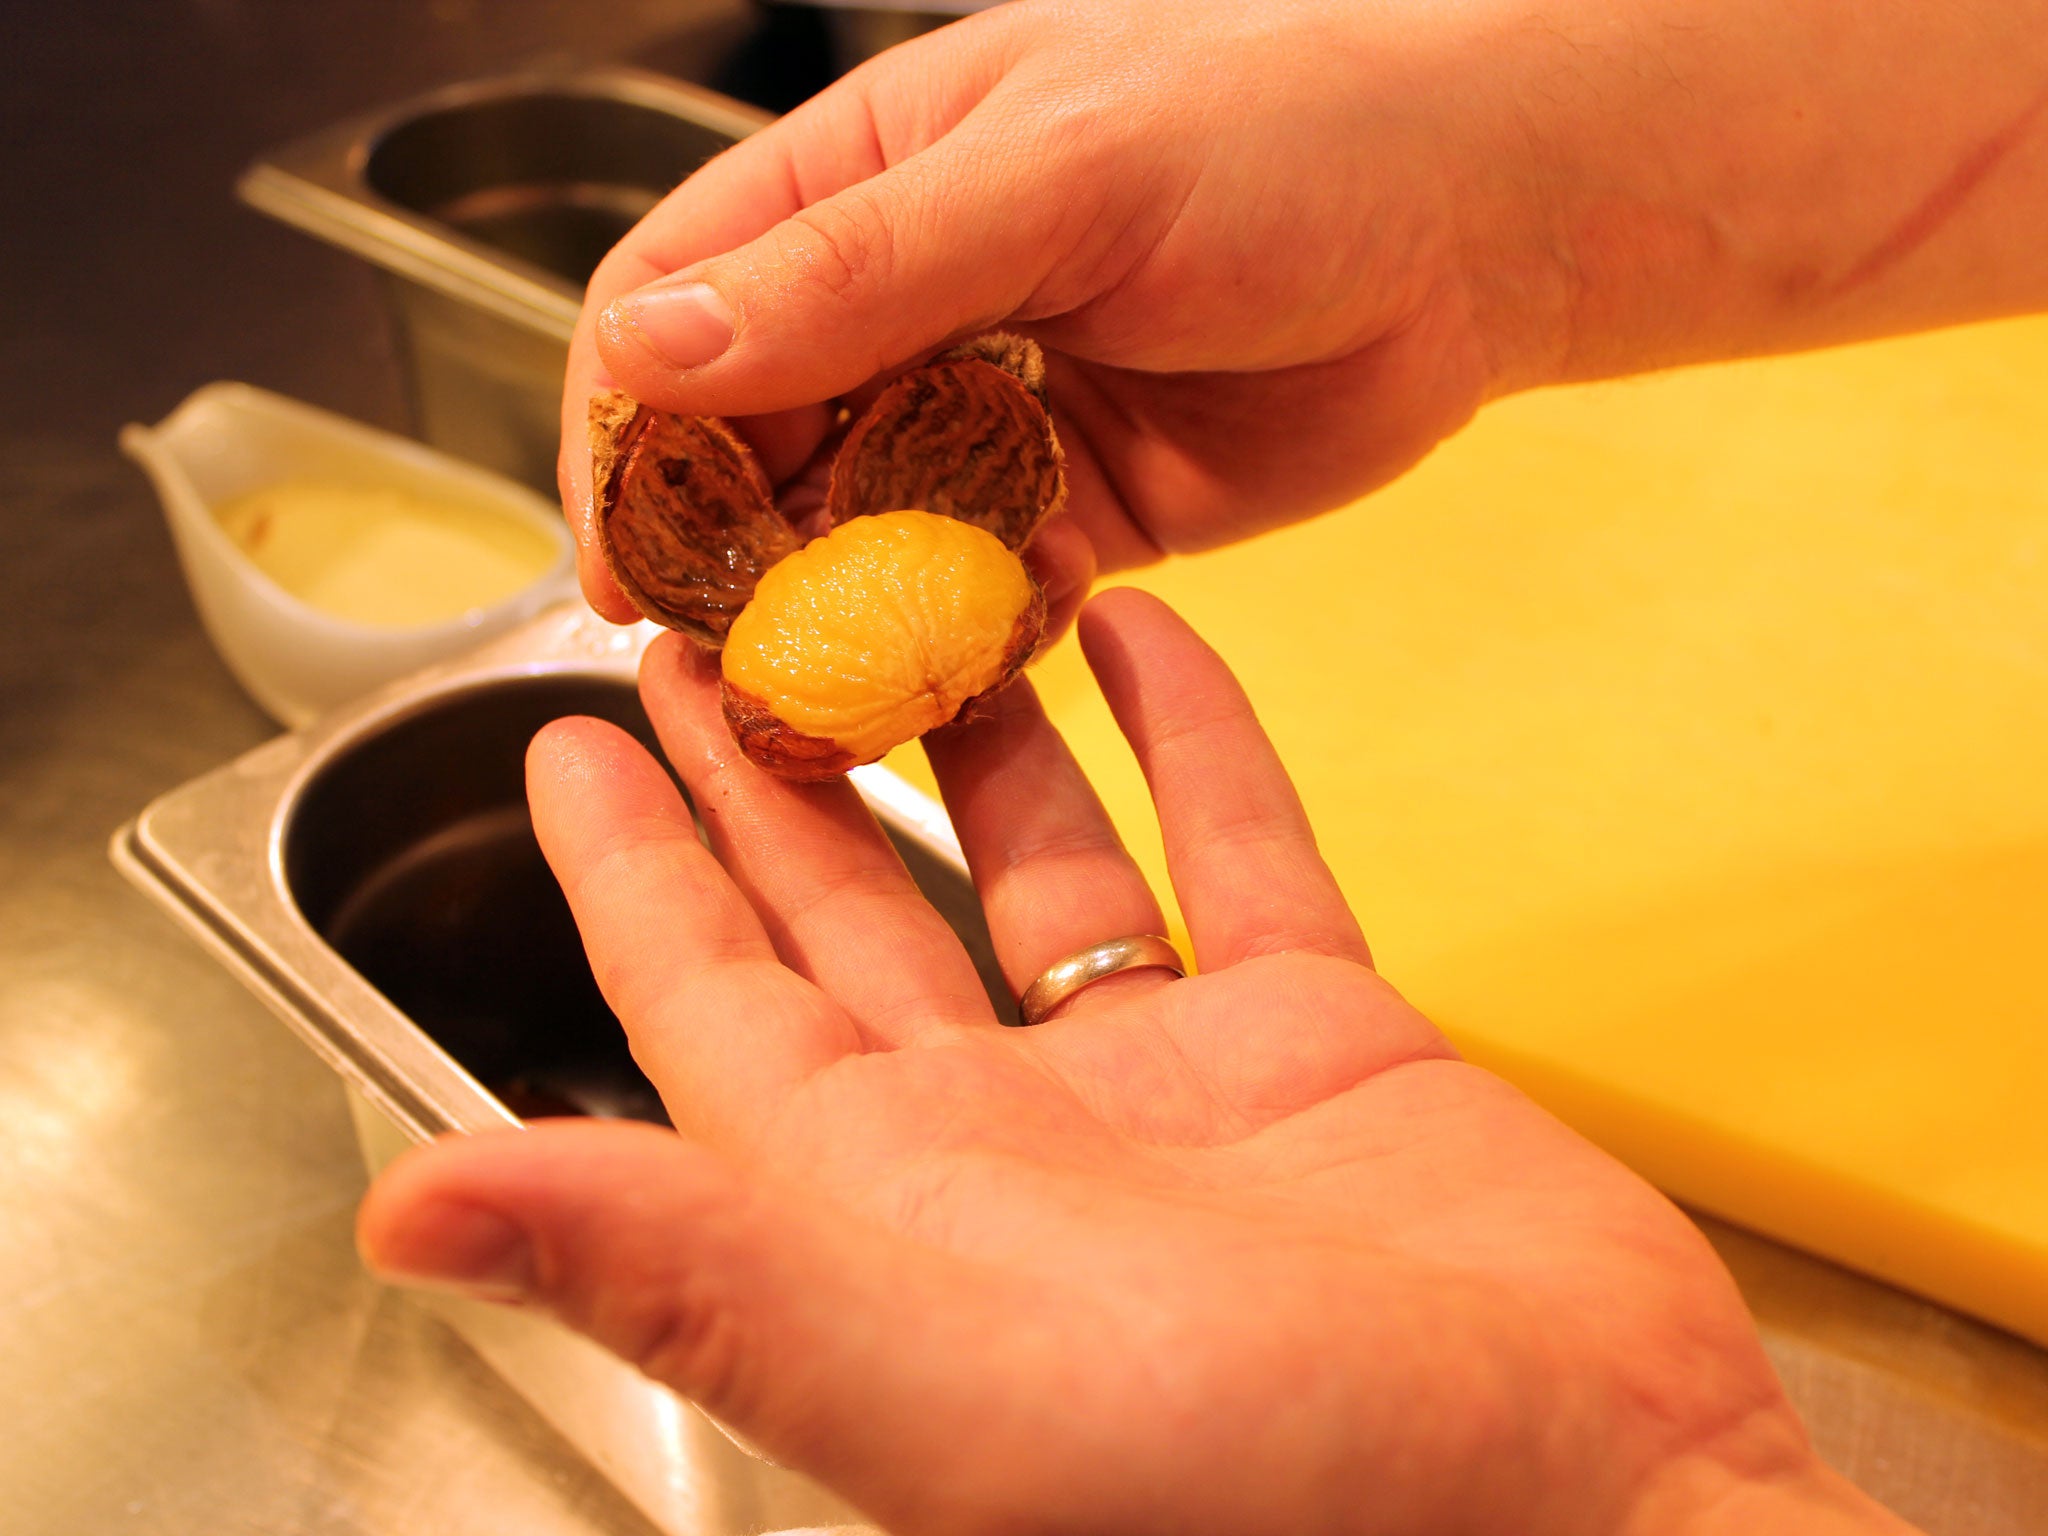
(872, 635)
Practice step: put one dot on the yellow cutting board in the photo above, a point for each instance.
(1683, 746)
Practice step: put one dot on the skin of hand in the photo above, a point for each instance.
(1250, 1251)
(1277, 252)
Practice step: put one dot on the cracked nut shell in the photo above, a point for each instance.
(685, 516)
(872, 635)
(883, 633)
(967, 435)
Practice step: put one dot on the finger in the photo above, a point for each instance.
(845, 288)
(1052, 873)
(832, 1346)
(1238, 845)
(853, 130)
(832, 894)
(1061, 558)
(720, 1026)
(731, 200)
(1102, 500)
(783, 442)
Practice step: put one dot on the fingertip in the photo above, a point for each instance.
(601, 591)
(674, 669)
(420, 1222)
(384, 1214)
(680, 685)
(667, 328)
(548, 744)
(615, 338)
(1117, 609)
(1061, 556)
(1125, 632)
(578, 747)
(1061, 559)
(1100, 628)
(470, 1212)
(580, 774)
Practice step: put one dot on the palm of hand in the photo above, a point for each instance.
(1245, 1251)
(1276, 1189)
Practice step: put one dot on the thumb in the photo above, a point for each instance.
(831, 1345)
(946, 243)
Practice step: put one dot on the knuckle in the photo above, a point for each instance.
(1232, 833)
(1304, 943)
(1075, 129)
(1047, 846)
(839, 893)
(846, 244)
(1094, 141)
(1195, 725)
(606, 278)
(679, 1323)
(692, 1343)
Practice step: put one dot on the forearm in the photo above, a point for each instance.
(1716, 178)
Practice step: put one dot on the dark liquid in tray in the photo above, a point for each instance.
(467, 932)
(413, 855)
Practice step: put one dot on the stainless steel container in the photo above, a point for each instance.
(374, 879)
(486, 206)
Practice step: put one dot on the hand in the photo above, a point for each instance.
(1278, 251)
(1248, 320)
(1249, 1251)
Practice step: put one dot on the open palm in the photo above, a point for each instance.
(1247, 1251)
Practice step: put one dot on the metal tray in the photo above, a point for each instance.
(374, 879)
(486, 206)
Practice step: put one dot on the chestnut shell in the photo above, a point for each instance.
(772, 742)
(685, 517)
(967, 435)
(687, 523)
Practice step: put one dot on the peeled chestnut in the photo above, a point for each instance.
(871, 635)
(910, 606)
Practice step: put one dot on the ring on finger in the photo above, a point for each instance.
(1069, 977)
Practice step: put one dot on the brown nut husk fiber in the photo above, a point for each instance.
(688, 526)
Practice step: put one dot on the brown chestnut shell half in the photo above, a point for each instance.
(686, 519)
(687, 524)
(967, 435)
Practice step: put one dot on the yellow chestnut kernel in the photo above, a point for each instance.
(872, 635)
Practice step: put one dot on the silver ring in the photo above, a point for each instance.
(1063, 979)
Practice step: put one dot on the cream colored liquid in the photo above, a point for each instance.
(382, 556)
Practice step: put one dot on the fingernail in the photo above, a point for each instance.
(472, 1252)
(685, 326)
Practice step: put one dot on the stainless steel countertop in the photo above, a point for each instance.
(187, 1343)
